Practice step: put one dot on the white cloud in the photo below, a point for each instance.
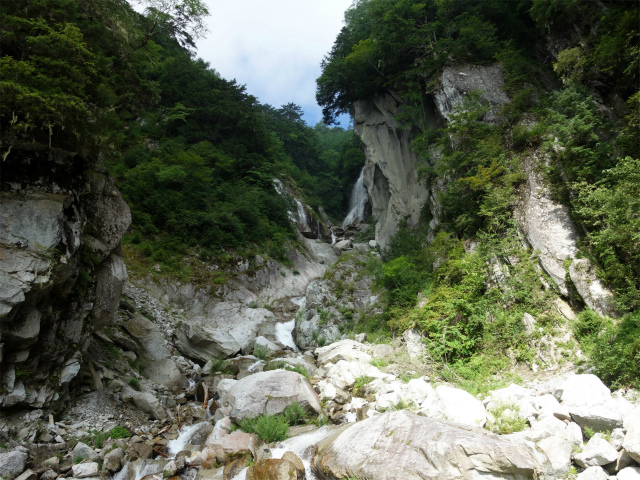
(274, 47)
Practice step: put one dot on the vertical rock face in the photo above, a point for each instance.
(61, 272)
(390, 173)
(548, 228)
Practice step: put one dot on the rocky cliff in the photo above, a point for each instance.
(396, 192)
(61, 270)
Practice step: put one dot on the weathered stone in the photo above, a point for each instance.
(624, 460)
(12, 463)
(124, 341)
(149, 404)
(597, 297)
(83, 451)
(382, 351)
(274, 469)
(161, 368)
(348, 350)
(404, 445)
(139, 450)
(593, 473)
(225, 331)
(269, 392)
(84, 470)
(632, 439)
(390, 173)
(596, 452)
(28, 475)
(49, 475)
(455, 405)
(629, 473)
(113, 460)
(344, 374)
(413, 340)
(558, 449)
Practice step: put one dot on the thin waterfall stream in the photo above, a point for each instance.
(357, 202)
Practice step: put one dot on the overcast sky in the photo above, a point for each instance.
(274, 47)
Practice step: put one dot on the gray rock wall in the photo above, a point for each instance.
(390, 173)
(61, 271)
(396, 193)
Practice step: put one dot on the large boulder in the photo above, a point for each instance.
(632, 439)
(160, 368)
(149, 404)
(597, 452)
(224, 331)
(455, 405)
(344, 374)
(590, 404)
(269, 392)
(12, 464)
(404, 445)
(348, 350)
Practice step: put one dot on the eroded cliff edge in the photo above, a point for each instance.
(398, 194)
(61, 270)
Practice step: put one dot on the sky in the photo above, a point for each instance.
(274, 47)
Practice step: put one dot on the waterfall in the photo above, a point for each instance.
(357, 202)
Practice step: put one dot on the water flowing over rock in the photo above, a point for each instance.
(357, 202)
(404, 445)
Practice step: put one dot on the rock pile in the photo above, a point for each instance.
(384, 427)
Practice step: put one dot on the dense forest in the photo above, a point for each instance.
(97, 78)
(571, 69)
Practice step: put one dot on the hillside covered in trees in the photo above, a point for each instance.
(571, 71)
(98, 78)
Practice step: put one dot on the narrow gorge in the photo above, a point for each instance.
(196, 286)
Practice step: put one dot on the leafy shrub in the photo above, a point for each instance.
(507, 419)
(135, 383)
(270, 428)
(298, 369)
(260, 352)
(219, 365)
(613, 347)
(358, 385)
(294, 414)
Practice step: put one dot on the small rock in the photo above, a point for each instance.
(113, 460)
(28, 475)
(83, 451)
(361, 337)
(83, 470)
(629, 473)
(49, 475)
(596, 452)
(593, 473)
(12, 463)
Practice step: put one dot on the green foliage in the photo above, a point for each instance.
(298, 369)
(119, 432)
(405, 43)
(270, 428)
(294, 414)
(612, 346)
(358, 385)
(219, 365)
(507, 419)
(135, 383)
(260, 352)
(274, 428)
